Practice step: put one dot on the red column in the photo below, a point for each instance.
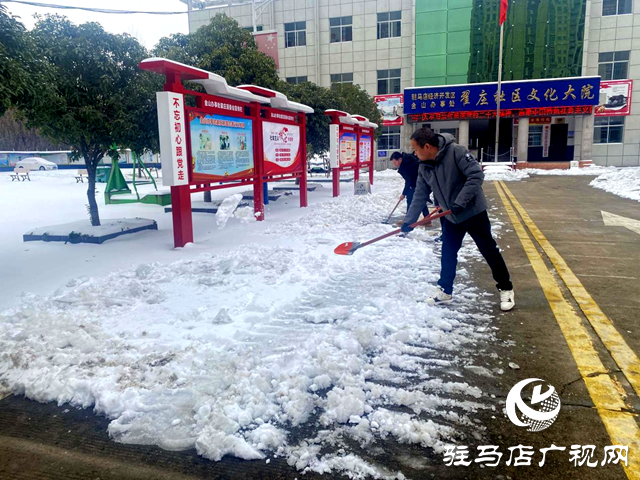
(336, 182)
(181, 213)
(303, 179)
(356, 174)
(258, 164)
(371, 171)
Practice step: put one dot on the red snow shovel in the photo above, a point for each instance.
(349, 247)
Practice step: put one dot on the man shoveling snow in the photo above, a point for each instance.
(455, 177)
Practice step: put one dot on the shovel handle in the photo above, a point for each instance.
(432, 216)
(394, 209)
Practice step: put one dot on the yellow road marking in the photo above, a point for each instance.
(623, 355)
(621, 426)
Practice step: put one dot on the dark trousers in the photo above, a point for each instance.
(409, 196)
(479, 228)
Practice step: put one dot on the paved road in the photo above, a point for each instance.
(575, 326)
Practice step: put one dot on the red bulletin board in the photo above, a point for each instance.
(351, 146)
(222, 138)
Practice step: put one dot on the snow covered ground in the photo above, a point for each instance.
(257, 340)
(624, 182)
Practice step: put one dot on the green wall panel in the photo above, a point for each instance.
(456, 79)
(432, 22)
(429, 67)
(458, 42)
(458, 3)
(457, 64)
(430, 5)
(434, 44)
(459, 20)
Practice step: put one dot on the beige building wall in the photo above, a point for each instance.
(611, 34)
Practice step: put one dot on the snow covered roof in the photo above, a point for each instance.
(344, 117)
(277, 99)
(213, 84)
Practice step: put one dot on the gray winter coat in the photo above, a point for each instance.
(455, 177)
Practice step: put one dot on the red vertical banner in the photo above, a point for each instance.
(268, 44)
(504, 6)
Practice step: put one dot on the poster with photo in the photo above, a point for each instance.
(221, 146)
(615, 98)
(281, 148)
(390, 107)
(348, 148)
(365, 148)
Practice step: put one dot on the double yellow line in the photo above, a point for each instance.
(606, 394)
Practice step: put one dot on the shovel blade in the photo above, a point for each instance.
(346, 248)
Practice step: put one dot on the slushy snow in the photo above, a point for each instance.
(258, 342)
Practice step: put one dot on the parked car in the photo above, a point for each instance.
(36, 163)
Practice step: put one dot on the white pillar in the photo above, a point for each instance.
(523, 139)
(463, 133)
(586, 144)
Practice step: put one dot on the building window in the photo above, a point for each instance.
(613, 65)
(388, 81)
(259, 28)
(535, 135)
(341, 29)
(341, 78)
(296, 80)
(389, 139)
(608, 130)
(616, 7)
(295, 34)
(389, 24)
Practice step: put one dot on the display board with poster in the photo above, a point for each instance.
(351, 146)
(281, 148)
(615, 98)
(219, 143)
(348, 147)
(221, 146)
(391, 108)
(365, 145)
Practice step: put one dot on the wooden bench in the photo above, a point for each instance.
(20, 174)
(81, 176)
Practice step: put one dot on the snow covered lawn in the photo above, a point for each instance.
(624, 182)
(256, 341)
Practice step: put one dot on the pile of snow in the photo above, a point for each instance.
(262, 342)
(503, 174)
(591, 170)
(226, 209)
(624, 182)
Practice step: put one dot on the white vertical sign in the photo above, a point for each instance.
(173, 141)
(546, 140)
(334, 145)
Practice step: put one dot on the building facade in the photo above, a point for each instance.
(388, 46)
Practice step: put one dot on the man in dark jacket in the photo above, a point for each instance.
(456, 178)
(407, 165)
